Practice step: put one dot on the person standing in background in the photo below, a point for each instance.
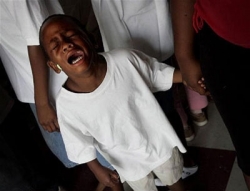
(20, 51)
(223, 29)
(24, 62)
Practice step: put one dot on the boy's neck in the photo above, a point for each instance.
(93, 81)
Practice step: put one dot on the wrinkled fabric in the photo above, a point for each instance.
(229, 19)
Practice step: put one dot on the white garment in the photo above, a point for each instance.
(20, 21)
(144, 25)
(121, 116)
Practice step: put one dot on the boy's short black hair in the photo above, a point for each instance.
(75, 20)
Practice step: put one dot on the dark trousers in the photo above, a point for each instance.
(225, 67)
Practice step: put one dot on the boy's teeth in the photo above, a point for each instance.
(75, 61)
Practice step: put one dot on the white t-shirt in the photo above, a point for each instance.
(144, 25)
(121, 118)
(20, 21)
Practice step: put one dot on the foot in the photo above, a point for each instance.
(199, 119)
(189, 133)
(158, 182)
(189, 171)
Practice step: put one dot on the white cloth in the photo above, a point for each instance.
(121, 116)
(144, 25)
(20, 21)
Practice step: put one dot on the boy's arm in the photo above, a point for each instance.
(104, 175)
(45, 111)
(177, 77)
(182, 14)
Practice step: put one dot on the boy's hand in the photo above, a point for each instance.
(108, 177)
(103, 174)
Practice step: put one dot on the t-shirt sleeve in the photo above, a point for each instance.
(158, 75)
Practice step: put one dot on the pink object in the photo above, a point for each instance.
(195, 100)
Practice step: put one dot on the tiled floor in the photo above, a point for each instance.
(215, 135)
(212, 140)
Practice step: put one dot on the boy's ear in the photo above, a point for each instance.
(54, 66)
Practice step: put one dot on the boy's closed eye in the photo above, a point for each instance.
(71, 34)
(54, 45)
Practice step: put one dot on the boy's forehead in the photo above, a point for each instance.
(59, 25)
(56, 25)
(61, 22)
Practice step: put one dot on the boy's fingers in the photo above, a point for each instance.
(112, 183)
(115, 177)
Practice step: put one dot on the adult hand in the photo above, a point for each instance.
(47, 117)
(191, 74)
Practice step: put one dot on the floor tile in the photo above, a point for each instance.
(236, 181)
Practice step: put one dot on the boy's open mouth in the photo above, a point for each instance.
(76, 57)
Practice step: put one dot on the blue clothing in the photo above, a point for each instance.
(55, 143)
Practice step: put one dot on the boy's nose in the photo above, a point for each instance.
(67, 46)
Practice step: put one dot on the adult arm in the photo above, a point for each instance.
(45, 111)
(182, 13)
(34, 13)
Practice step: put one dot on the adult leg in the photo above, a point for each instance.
(226, 69)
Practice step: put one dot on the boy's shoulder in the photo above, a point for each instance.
(126, 53)
(121, 51)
